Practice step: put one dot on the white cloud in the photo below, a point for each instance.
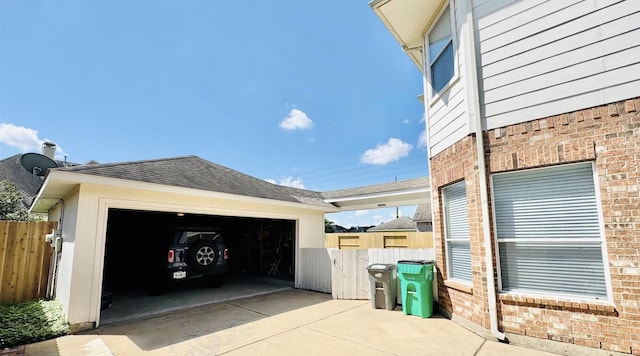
(25, 139)
(22, 138)
(422, 139)
(406, 121)
(362, 212)
(391, 151)
(296, 120)
(288, 182)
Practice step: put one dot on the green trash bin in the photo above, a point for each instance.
(416, 278)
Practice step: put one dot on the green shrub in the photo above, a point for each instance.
(32, 321)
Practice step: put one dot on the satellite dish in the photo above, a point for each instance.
(37, 164)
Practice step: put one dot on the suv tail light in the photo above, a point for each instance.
(226, 254)
(170, 256)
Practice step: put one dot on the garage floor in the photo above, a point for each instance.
(139, 304)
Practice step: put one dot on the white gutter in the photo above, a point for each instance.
(390, 194)
(475, 119)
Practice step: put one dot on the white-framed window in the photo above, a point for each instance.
(440, 58)
(547, 223)
(456, 231)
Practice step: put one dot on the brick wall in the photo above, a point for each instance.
(608, 135)
(454, 164)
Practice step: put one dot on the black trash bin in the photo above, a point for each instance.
(383, 285)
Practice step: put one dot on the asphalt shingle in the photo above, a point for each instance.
(378, 188)
(197, 173)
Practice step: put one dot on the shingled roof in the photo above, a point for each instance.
(402, 223)
(11, 170)
(197, 173)
(423, 213)
(378, 188)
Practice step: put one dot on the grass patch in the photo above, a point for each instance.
(31, 321)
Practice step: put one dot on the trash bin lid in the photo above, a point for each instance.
(381, 267)
(416, 262)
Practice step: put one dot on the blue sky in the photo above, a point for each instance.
(314, 94)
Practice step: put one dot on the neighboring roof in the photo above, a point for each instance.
(423, 213)
(11, 170)
(402, 223)
(197, 173)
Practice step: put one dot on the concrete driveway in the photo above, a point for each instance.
(288, 322)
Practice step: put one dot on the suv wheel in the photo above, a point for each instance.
(203, 255)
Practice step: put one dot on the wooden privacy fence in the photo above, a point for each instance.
(349, 274)
(25, 259)
(344, 274)
(389, 239)
(315, 269)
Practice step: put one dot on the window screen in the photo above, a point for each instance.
(548, 231)
(457, 231)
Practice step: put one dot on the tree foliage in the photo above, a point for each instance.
(11, 207)
(327, 225)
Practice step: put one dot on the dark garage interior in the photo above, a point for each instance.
(137, 245)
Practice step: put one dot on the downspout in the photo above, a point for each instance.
(475, 118)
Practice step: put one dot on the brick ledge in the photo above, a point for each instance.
(458, 286)
(590, 306)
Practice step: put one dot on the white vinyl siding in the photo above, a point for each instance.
(448, 118)
(456, 228)
(542, 58)
(548, 231)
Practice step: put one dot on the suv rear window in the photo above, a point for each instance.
(189, 237)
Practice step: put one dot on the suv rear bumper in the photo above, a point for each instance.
(182, 273)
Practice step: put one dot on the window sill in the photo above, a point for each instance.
(458, 286)
(437, 96)
(567, 304)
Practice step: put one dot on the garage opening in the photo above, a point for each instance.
(154, 255)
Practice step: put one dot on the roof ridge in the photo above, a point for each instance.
(12, 157)
(126, 163)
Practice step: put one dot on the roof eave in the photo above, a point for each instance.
(407, 20)
(380, 200)
(50, 194)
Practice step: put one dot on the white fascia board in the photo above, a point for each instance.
(378, 195)
(79, 178)
(39, 194)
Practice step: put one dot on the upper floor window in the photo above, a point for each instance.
(441, 52)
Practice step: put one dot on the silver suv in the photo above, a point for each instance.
(198, 253)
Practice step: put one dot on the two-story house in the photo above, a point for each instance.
(533, 124)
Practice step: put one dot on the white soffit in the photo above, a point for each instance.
(407, 21)
(383, 200)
